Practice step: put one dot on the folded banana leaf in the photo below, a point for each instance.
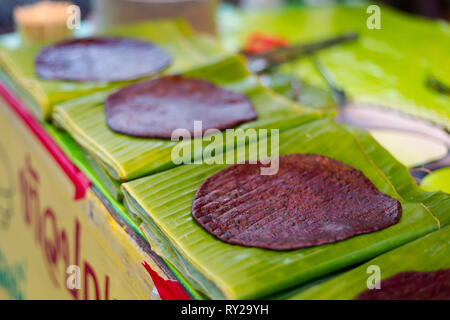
(428, 253)
(437, 180)
(41, 95)
(388, 66)
(163, 201)
(76, 155)
(113, 186)
(192, 276)
(126, 158)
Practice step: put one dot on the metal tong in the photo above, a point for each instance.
(262, 62)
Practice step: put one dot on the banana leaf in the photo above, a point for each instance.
(437, 180)
(429, 253)
(41, 95)
(388, 66)
(192, 276)
(163, 202)
(301, 92)
(113, 186)
(126, 158)
(76, 155)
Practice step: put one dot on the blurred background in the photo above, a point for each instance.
(7, 7)
(435, 9)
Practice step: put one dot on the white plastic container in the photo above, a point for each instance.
(199, 13)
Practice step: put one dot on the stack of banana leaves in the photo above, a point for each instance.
(428, 254)
(221, 270)
(17, 65)
(124, 158)
(152, 182)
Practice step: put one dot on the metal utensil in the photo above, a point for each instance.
(262, 62)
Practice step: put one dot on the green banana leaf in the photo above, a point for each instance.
(387, 66)
(438, 180)
(163, 201)
(113, 186)
(127, 158)
(77, 156)
(41, 95)
(429, 253)
(73, 151)
(192, 276)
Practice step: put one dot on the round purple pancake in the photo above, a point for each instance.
(311, 200)
(101, 59)
(412, 285)
(157, 107)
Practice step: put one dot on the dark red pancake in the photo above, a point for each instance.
(312, 200)
(101, 59)
(412, 285)
(155, 108)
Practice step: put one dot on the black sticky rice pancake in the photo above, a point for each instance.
(155, 108)
(311, 200)
(101, 59)
(412, 285)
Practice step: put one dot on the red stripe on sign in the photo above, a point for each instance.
(167, 289)
(79, 180)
